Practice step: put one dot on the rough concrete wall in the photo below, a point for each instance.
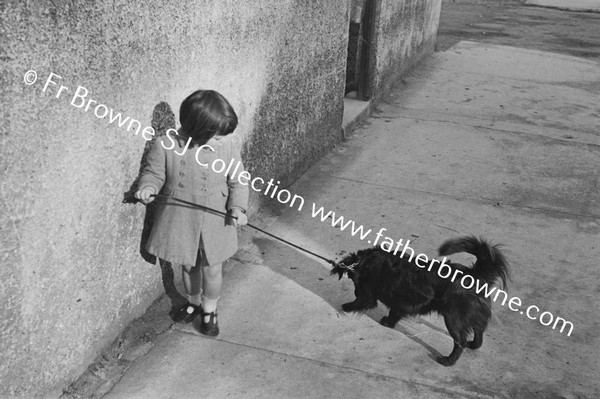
(405, 31)
(71, 276)
(298, 117)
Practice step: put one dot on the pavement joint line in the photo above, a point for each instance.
(447, 228)
(457, 51)
(562, 140)
(559, 8)
(539, 82)
(339, 366)
(480, 200)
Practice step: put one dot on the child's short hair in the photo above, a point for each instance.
(206, 113)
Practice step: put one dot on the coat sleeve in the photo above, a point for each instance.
(153, 174)
(238, 192)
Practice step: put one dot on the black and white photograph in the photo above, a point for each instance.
(300, 199)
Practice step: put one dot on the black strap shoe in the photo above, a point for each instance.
(210, 327)
(187, 313)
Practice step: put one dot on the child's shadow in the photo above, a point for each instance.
(163, 119)
(314, 276)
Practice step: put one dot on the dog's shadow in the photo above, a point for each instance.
(305, 270)
(314, 275)
(434, 354)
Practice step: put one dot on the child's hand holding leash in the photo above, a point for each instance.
(145, 195)
(237, 217)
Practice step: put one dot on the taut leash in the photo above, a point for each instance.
(206, 208)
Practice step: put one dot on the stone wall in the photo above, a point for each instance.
(404, 32)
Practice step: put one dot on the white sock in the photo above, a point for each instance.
(209, 305)
(195, 299)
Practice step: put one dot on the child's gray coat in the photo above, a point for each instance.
(178, 228)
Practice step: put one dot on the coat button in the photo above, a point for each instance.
(181, 173)
(181, 185)
(182, 162)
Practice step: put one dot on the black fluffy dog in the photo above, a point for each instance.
(408, 290)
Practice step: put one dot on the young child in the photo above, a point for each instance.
(179, 165)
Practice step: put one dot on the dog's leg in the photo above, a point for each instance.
(392, 318)
(454, 327)
(477, 340)
(453, 357)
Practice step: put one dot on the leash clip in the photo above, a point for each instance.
(349, 267)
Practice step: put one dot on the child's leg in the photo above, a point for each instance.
(211, 286)
(192, 282)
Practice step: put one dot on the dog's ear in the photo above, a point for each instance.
(339, 270)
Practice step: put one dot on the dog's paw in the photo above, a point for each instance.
(385, 321)
(348, 307)
(445, 361)
(473, 345)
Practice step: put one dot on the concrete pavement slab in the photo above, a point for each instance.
(510, 23)
(495, 84)
(207, 368)
(470, 162)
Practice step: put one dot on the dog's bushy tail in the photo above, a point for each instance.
(491, 265)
